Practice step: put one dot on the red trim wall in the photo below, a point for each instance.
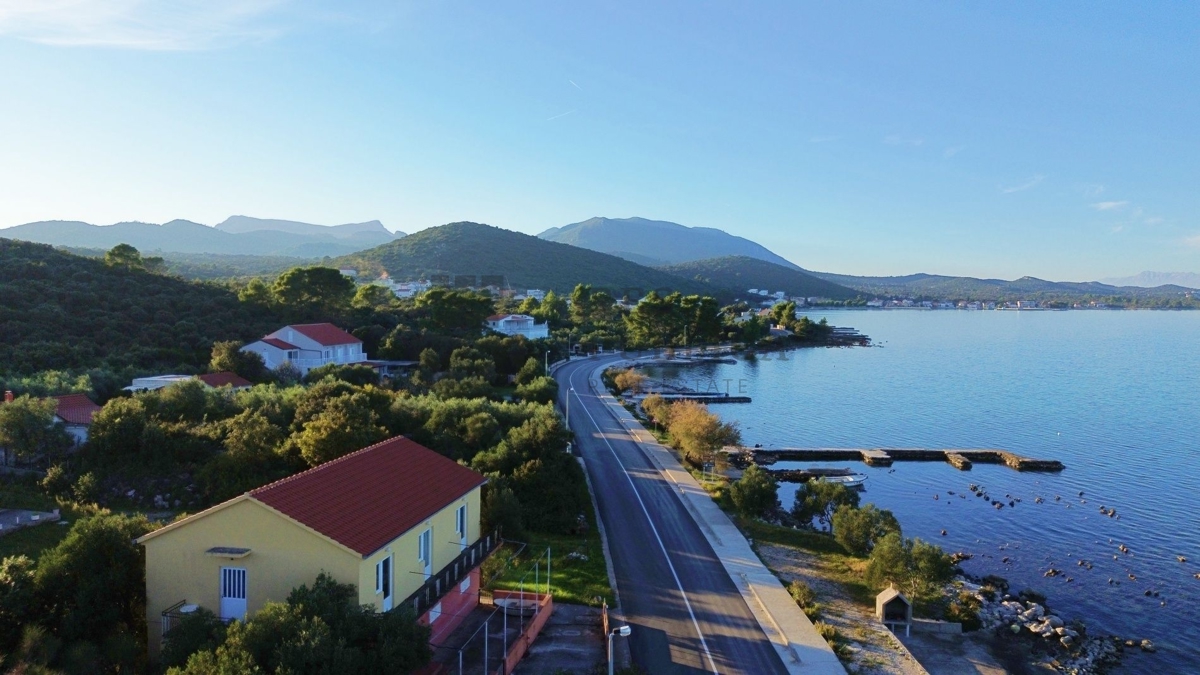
(456, 605)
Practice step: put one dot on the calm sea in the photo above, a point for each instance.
(1113, 395)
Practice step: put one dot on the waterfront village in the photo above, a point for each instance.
(226, 496)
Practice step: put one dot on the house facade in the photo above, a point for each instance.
(308, 346)
(396, 520)
(76, 411)
(518, 324)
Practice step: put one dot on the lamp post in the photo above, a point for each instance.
(623, 631)
(569, 392)
(547, 363)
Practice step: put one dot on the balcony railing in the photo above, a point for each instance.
(171, 617)
(437, 585)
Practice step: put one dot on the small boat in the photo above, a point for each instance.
(853, 480)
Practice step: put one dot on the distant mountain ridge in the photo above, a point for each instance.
(742, 273)
(970, 288)
(238, 235)
(658, 242)
(520, 260)
(1154, 279)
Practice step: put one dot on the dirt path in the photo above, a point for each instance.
(875, 650)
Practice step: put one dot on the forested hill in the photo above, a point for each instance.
(60, 311)
(741, 273)
(472, 249)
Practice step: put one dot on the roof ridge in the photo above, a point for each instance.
(331, 462)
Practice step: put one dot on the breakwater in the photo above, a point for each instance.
(961, 459)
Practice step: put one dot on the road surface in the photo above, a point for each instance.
(687, 615)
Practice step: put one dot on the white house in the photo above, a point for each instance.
(76, 411)
(536, 293)
(307, 346)
(518, 324)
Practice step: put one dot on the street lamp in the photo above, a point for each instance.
(623, 631)
(569, 392)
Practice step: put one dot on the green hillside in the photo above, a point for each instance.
(60, 311)
(472, 249)
(740, 273)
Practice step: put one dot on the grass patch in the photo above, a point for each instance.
(808, 540)
(23, 495)
(33, 541)
(573, 580)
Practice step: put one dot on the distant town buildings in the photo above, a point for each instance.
(518, 324)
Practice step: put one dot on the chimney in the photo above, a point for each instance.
(8, 396)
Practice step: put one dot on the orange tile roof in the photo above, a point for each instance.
(75, 408)
(224, 379)
(369, 498)
(280, 344)
(326, 334)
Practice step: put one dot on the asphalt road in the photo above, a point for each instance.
(686, 614)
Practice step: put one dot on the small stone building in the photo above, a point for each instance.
(893, 609)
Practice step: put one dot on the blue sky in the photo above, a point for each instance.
(1058, 140)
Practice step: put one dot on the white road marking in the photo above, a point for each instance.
(650, 521)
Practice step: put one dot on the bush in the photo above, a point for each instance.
(86, 489)
(819, 499)
(805, 598)
(830, 633)
(857, 529)
(754, 494)
(915, 565)
(198, 631)
(629, 380)
(965, 610)
(501, 509)
(538, 390)
(57, 482)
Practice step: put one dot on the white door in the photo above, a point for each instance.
(460, 521)
(383, 581)
(425, 552)
(233, 593)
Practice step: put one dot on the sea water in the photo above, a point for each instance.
(1114, 395)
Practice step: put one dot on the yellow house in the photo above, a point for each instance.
(397, 520)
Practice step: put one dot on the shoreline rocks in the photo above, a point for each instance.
(1064, 646)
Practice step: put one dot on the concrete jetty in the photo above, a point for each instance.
(962, 459)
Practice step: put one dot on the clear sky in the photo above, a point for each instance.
(1054, 139)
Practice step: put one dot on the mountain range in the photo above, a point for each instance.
(658, 242)
(237, 235)
(615, 253)
(970, 288)
(486, 254)
(1153, 279)
(741, 273)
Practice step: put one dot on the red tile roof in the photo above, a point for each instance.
(224, 379)
(277, 343)
(326, 334)
(497, 317)
(76, 408)
(369, 498)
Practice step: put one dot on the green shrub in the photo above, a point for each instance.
(754, 494)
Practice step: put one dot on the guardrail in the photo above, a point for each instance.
(438, 584)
